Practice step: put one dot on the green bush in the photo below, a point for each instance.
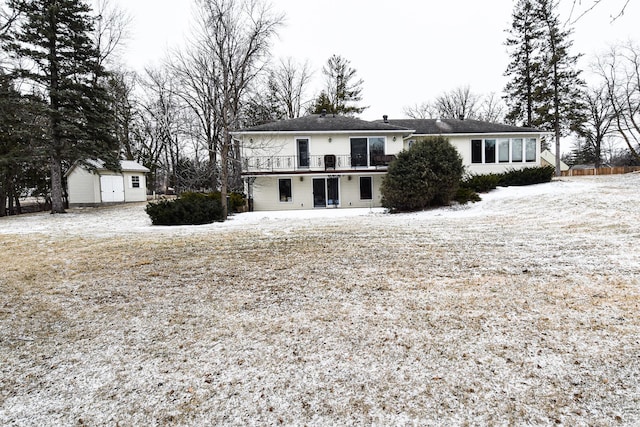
(427, 174)
(237, 201)
(465, 195)
(481, 183)
(527, 176)
(188, 209)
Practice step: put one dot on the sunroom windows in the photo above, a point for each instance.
(503, 150)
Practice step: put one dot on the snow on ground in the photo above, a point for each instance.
(517, 310)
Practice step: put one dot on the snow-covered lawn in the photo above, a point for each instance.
(518, 310)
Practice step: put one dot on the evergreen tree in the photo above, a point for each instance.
(21, 161)
(545, 90)
(54, 38)
(561, 108)
(524, 40)
(342, 90)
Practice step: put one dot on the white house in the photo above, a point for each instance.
(91, 184)
(322, 160)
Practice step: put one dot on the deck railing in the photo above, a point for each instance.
(267, 164)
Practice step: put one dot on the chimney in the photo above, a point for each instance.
(323, 113)
(385, 118)
(461, 116)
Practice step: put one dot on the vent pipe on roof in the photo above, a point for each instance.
(385, 118)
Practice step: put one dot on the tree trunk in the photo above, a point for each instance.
(224, 172)
(57, 203)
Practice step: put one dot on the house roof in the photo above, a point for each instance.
(324, 123)
(456, 126)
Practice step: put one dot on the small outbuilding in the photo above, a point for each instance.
(89, 183)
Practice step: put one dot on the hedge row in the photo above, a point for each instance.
(514, 177)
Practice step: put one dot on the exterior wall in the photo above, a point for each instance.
(265, 191)
(132, 194)
(463, 145)
(83, 187)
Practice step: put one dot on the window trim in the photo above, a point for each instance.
(135, 181)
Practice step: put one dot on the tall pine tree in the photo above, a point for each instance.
(562, 107)
(53, 39)
(545, 90)
(524, 69)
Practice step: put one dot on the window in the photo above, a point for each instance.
(376, 151)
(476, 151)
(486, 150)
(489, 150)
(284, 188)
(503, 150)
(358, 151)
(135, 181)
(366, 188)
(516, 150)
(367, 151)
(531, 150)
(303, 152)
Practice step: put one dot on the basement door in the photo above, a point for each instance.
(112, 188)
(325, 192)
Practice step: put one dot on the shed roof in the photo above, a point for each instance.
(456, 126)
(324, 123)
(125, 166)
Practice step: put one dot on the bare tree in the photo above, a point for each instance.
(620, 69)
(290, 80)
(164, 123)
(577, 11)
(492, 108)
(424, 110)
(240, 35)
(599, 120)
(198, 86)
(459, 103)
(111, 29)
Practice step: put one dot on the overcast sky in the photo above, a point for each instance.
(406, 51)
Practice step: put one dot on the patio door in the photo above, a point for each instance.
(326, 192)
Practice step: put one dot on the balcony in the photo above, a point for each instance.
(320, 163)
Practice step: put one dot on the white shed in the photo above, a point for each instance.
(98, 185)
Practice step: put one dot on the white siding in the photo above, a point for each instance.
(83, 187)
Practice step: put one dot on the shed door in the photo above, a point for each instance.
(112, 188)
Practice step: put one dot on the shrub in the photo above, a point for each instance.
(465, 195)
(188, 209)
(527, 176)
(427, 174)
(481, 183)
(237, 201)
